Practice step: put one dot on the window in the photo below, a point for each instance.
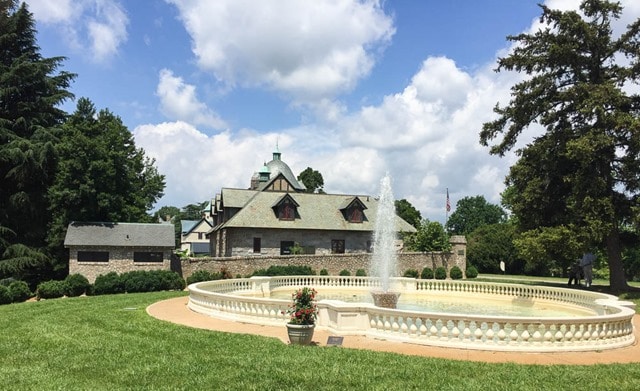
(337, 246)
(93, 256)
(286, 212)
(285, 247)
(257, 245)
(151, 256)
(200, 235)
(355, 215)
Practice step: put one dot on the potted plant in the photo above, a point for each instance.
(303, 312)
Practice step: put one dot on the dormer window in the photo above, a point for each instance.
(353, 210)
(287, 212)
(355, 215)
(286, 208)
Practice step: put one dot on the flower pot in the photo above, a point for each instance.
(300, 334)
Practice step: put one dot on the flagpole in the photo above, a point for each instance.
(447, 208)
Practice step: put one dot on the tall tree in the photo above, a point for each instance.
(408, 212)
(312, 180)
(101, 175)
(430, 236)
(194, 211)
(491, 244)
(587, 160)
(472, 213)
(31, 90)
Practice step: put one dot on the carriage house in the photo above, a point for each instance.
(275, 216)
(100, 248)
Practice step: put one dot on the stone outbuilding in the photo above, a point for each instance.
(97, 248)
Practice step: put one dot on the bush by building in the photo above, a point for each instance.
(455, 273)
(19, 291)
(288, 270)
(427, 273)
(441, 273)
(76, 285)
(108, 284)
(51, 289)
(411, 273)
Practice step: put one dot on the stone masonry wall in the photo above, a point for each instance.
(120, 261)
(334, 263)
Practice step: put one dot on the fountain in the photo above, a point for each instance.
(587, 321)
(384, 259)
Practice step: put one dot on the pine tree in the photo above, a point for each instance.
(31, 90)
(583, 173)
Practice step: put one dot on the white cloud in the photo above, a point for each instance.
(61, 11)
(96, 28)
(310, 50)
(178, 101)
(426, 135)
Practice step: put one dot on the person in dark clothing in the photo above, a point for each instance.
(575, 273)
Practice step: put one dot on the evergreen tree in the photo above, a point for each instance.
(583, 173)
(31, 89)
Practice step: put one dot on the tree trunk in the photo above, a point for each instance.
(617, 279)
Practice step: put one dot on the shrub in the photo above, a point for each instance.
(441, 273)
(427, 273)
(455, 273)
(324, 272)
(345, 272)
(152, 281)
(171, 281)
(108, 284)
(7, 281)
(289, 270)
(472, 272)
(411, 273)
(77, 284)
(199, 276)
(5, 296)
(19, 291)
(51, 289)
(361, 273)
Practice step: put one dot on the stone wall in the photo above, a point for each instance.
(120, 261)
(334, 263)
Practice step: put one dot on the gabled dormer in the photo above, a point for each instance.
(286, 208)
(353, 210)
(279, 183)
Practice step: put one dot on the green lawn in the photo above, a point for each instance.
(109, 342)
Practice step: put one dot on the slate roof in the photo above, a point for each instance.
(189, 225)
(105, 234)
(316, 211)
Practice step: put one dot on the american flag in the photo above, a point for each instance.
(448, 206)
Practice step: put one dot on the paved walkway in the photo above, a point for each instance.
(176, 311)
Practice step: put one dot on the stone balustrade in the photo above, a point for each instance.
(610, 326)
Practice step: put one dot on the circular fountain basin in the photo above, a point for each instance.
(579, 320)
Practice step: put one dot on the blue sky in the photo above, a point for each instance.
(353, 89)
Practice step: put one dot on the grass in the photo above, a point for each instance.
(111, 343)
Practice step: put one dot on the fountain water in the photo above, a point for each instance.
(384, 259)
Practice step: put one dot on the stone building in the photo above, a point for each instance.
(100, 248)
(276, 216)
